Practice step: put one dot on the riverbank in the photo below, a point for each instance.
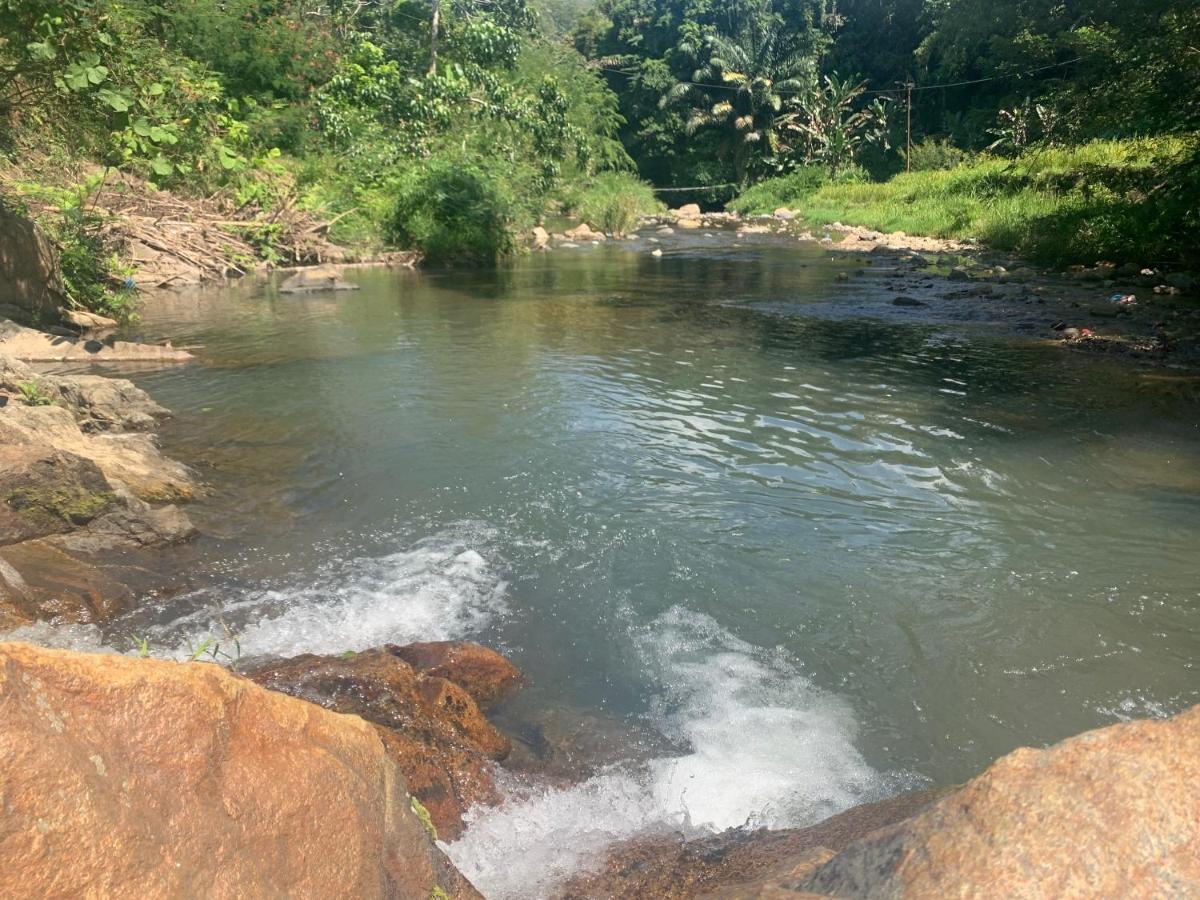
(1125, 202)
(323, 801)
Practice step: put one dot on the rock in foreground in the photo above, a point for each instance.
(124, 776)
(1111, 813)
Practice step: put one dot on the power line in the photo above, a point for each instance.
(896, 90)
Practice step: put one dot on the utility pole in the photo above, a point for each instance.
(908, 139)
(433, 36)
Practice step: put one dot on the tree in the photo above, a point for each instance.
(833, 127)
(741, 90)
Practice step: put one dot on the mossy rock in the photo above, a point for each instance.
(72, 505)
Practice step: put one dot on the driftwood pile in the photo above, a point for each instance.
(174, 241)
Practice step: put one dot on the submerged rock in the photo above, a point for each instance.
(183, 780)
(316, 278)
(431, 726)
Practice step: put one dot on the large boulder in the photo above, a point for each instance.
(31, 286)
(79, 493)
(128, 776)
(431, 726)
(1109, 813)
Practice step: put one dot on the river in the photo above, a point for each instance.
(803, 558)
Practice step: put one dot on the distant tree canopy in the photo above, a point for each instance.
(1034, 70)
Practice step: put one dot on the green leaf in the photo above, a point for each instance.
(115, 101)
(141, 127)
(40, 50)
(155, 89)
(97, 74)
(161, 165)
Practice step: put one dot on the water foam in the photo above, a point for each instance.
(765, 748)
(440, 588)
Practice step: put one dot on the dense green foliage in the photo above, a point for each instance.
(431, 135)
(355, 109)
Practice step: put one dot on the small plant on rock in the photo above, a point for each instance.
(33, 394)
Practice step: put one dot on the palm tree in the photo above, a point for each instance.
(742, 88)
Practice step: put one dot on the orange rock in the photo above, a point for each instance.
(442, 742)
(484, 674)
(141, 777)
(1110, 813)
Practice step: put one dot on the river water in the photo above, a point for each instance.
(818, 558)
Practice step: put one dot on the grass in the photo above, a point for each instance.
(793, 189)
(1125, 201)
(611, 201)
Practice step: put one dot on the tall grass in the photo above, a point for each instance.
(611, 201)
(1136, 200)
(793, 189)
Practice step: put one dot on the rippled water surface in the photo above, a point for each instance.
(823, 558)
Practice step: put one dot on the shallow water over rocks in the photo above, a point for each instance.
(821, 554)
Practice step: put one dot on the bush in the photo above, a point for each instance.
(453, 211)
(931, 155)
(789, 190)
(612, 201)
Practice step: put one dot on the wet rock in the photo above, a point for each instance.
(1111, 813)
(690, 224)
(184, 780)
(483, 673)
(907, 301)
(433, 728)
(959, 273)
(88, 321)
(737, 863)
(585, 232)
(29, 345)
(665, 230)
(316, 278)
(687, 211)
(540, 238)
(784, 213)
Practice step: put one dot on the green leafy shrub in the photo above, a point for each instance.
(612, 201)
(932, 154)
(453, 211)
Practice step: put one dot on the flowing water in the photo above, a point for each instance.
(817, 558)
